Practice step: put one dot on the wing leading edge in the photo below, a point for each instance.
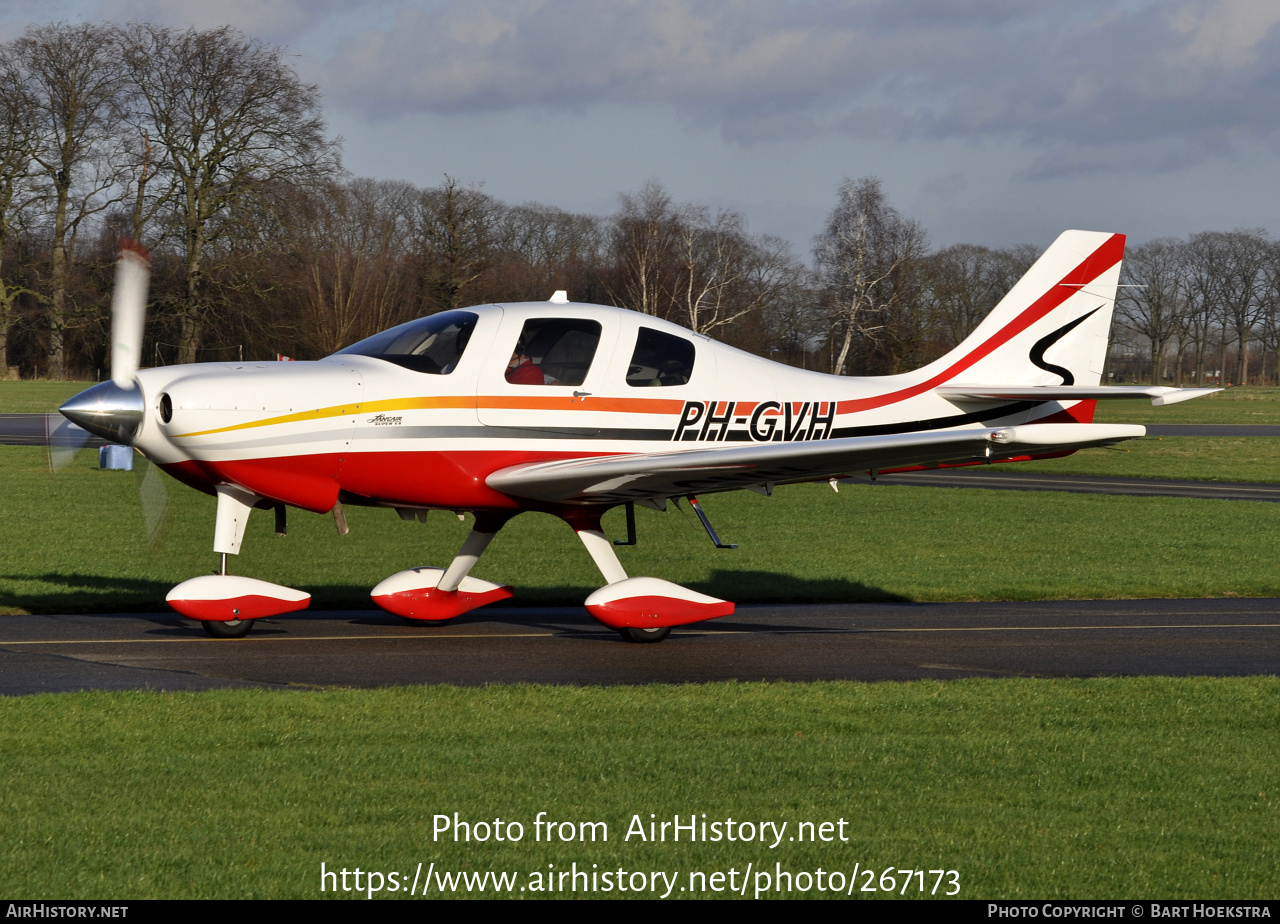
(645, 476)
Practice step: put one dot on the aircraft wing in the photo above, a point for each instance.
(657, 475)
(1159, 394)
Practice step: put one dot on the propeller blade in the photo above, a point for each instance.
(62, 440)
(129, 312)
(155, 505)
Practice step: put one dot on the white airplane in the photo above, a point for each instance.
(573, 409)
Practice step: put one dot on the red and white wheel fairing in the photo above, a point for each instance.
(228, 597)
(414, 594)
(652, 603)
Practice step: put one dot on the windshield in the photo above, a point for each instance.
(433, 344)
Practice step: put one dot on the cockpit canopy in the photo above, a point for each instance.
(558, 347)
(432, 344)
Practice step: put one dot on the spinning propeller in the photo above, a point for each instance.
(114, 410)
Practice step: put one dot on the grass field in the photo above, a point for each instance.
(1253, 405)
(1201, 458)
(36, 397)
(1128, 788)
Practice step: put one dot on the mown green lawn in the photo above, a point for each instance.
(1122, 788)
(1200, 458)
(1238, 405)
(36, 397)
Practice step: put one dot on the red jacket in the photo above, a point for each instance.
(527, 373)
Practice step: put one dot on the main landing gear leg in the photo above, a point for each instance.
(641, 609)
(472, 548)
(601, 551)
(433, 596)
(226, 604)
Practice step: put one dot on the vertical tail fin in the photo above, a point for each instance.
(1053, 326)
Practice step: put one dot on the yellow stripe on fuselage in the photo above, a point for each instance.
(344, 410)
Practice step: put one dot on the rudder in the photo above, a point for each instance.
(1052, 328)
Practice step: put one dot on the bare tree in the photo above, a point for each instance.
(861, 256)
(349, 243)
(965, 281)
(1269, 297)
(791, 323)
(959, 282)
(17, 194)
(1153, 304)
(725, 274)
(230, 120)
(645, 250)
(1201, 290)
(71, 77)
(545, 248)
(1247, 253)
(453, 234)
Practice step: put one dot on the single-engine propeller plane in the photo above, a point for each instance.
(573, 409)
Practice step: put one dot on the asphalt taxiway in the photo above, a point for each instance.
(811, 642)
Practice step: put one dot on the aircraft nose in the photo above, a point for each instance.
(108, 411)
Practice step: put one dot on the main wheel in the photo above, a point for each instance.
(236, 628)
(644, 636)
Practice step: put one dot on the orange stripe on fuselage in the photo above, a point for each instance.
(587, 403)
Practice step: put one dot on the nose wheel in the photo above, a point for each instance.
(235, 628)
(644, 636)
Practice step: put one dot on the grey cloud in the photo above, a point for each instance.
(279, 21)
(1095, 81)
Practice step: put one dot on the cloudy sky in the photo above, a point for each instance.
(991, 121)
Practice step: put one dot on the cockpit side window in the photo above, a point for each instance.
(433, 344)
(554, 351)
(660, 359)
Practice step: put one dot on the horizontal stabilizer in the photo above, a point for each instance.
(1159, 394)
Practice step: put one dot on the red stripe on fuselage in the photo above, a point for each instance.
(1093, 266)
(446, 479)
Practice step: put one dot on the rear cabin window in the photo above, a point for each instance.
(660, 359)
(554, 351)
(433, 344)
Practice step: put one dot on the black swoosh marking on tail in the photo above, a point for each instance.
(1037, 351)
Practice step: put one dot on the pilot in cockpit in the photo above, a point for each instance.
(521, 370)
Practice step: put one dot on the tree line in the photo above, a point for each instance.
(1205, 309)
(207, 148)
